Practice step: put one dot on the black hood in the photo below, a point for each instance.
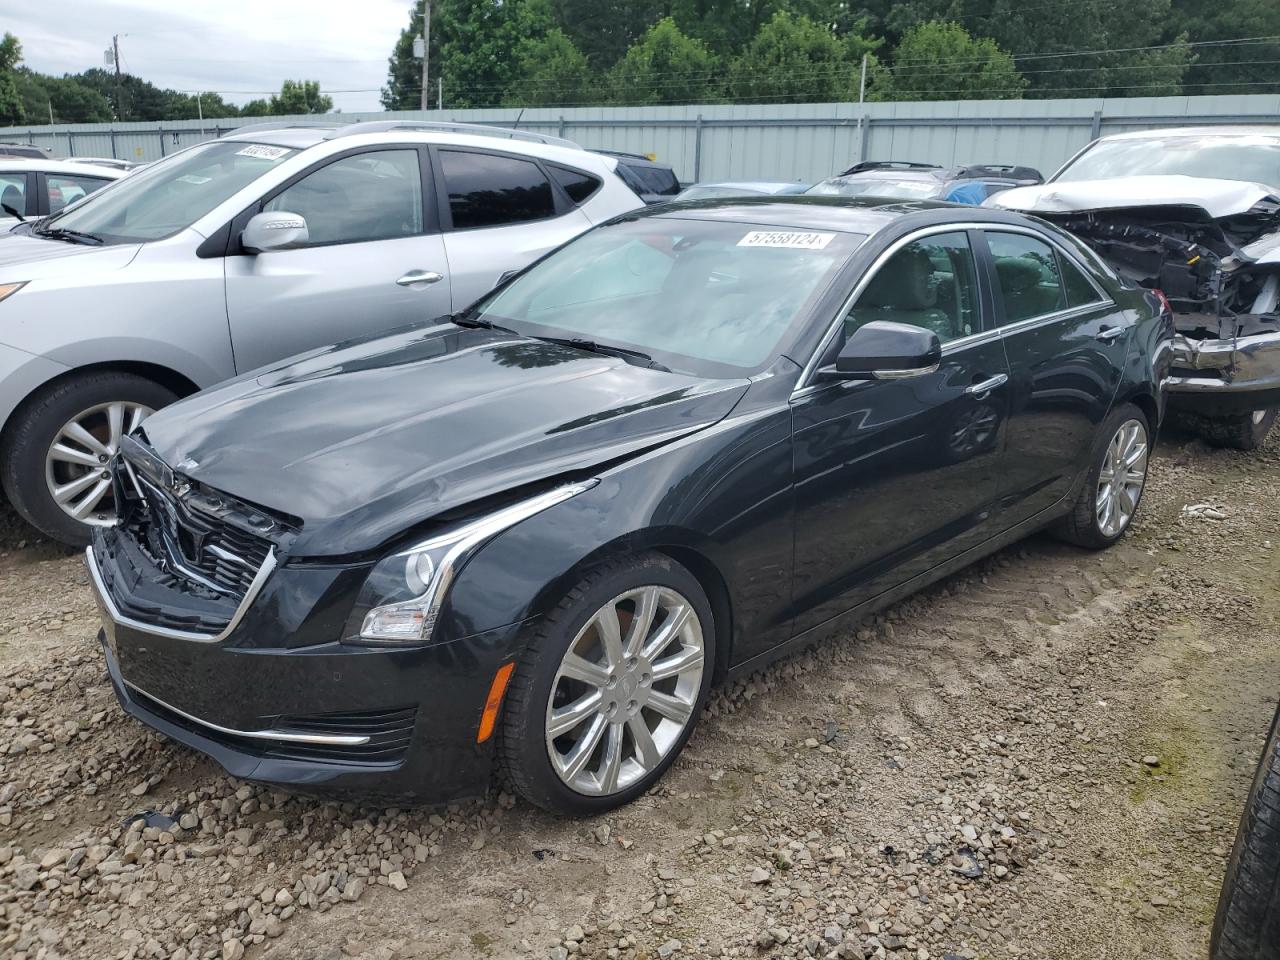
(363, 440)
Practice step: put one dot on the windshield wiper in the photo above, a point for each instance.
(626, 353)
(70, 236)
(462, 320)
(12, 212)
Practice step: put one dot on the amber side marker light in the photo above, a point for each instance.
(496, 689)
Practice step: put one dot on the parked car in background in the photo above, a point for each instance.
(925, 181)
(37, 188)
(236, 252)
(653, 182)
(1193, 212)
(1247, 924)
(114, 163)
(685, 443)
(29, 150)
(742, 188)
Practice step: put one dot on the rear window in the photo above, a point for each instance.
(487, 190)
(642, 179)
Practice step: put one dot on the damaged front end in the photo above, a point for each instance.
(1212, 248)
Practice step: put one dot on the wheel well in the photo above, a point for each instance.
(1147, 405)
(713, 586)
(167, 378)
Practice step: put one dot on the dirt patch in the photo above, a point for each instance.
(1042, 757)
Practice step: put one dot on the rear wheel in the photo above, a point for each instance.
(610, 687)
(1109, 498)
(56, 450)
(1247, 926)
(1241, 431)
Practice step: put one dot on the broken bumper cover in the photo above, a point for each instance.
(1226, 376)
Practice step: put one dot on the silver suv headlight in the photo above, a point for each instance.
(404, 592)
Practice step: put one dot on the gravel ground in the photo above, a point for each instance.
(1043, 757)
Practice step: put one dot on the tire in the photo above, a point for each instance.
(35, 426)
(538, 686)
(1247, 925)
(1083, 525)
(1241, 431)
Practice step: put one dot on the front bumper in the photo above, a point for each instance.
(329, 717)
(1226, 376)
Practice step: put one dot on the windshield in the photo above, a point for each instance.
(706, 297)
(715, 192)
(875, 187)
(1251, 159)
(168, 196)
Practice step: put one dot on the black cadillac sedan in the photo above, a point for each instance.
(530, 536)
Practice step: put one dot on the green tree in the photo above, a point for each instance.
(792, 59)
(256, 108)
(12, 109)
(941, 61)
(66, 98)
(1237, 67)
(404, 71)
(605, 29)
(666, 66)
(299, 97)
(550, 70)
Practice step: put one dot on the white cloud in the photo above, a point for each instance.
(240, 48)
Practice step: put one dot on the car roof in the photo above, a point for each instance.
(764, 186)
(39, 165)
(864, 215)
(1217, 130)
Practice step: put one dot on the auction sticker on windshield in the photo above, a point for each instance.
(263, 152)
(786, 239)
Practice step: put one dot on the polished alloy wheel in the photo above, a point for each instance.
(75, 467)
(625, 690)
(1124, 471)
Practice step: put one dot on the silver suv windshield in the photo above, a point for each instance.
(168, 196)
(1253, 159)
(713, 298)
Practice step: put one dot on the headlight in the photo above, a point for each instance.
(403, 594)
(7, 290)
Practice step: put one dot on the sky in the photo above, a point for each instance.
(242, 49)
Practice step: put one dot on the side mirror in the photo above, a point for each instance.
(274, 230)
(883, 350)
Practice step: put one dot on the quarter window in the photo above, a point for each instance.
(1027, 274)
(929, 283)
(1079, 290)
(578, 185)
(366, 196)
(486, 190)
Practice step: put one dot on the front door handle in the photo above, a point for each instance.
(420, 276)
(983, 387)
(1109, 334)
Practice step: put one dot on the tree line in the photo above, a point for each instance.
(95, 96)
(566, 52)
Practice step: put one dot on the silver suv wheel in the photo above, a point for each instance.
(625, 690)
(76, 462)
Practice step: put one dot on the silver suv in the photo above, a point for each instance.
(237, 252)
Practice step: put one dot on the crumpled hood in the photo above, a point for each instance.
(363, 440)
(1217, 198)
(23, 257)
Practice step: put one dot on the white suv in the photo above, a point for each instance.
(237, 252)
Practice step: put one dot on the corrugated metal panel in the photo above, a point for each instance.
(757, 141)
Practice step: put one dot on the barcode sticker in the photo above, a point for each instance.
(786, 239)
(263, 152)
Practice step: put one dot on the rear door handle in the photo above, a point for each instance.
(420, 276)
(983, 387)
(1109, 334)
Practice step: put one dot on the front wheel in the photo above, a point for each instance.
(1247, 926)
(1241, 431)
(610, 687)
(58, 445)
(1109, 498)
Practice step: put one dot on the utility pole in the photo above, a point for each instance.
(426, 53)
(115, 56)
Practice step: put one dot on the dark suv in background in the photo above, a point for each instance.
(653, 182)
(908, 180)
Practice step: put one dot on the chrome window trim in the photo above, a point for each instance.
(805, 384)
(330, 739)
(108, 604)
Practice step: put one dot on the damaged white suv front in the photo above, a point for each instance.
(1195, 214)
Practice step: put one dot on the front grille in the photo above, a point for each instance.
(390, 733)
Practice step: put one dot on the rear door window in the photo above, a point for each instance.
(13, 191)
(488, 190)
(65, 189)
(1027, 275)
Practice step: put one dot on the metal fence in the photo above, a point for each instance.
(758, 141)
